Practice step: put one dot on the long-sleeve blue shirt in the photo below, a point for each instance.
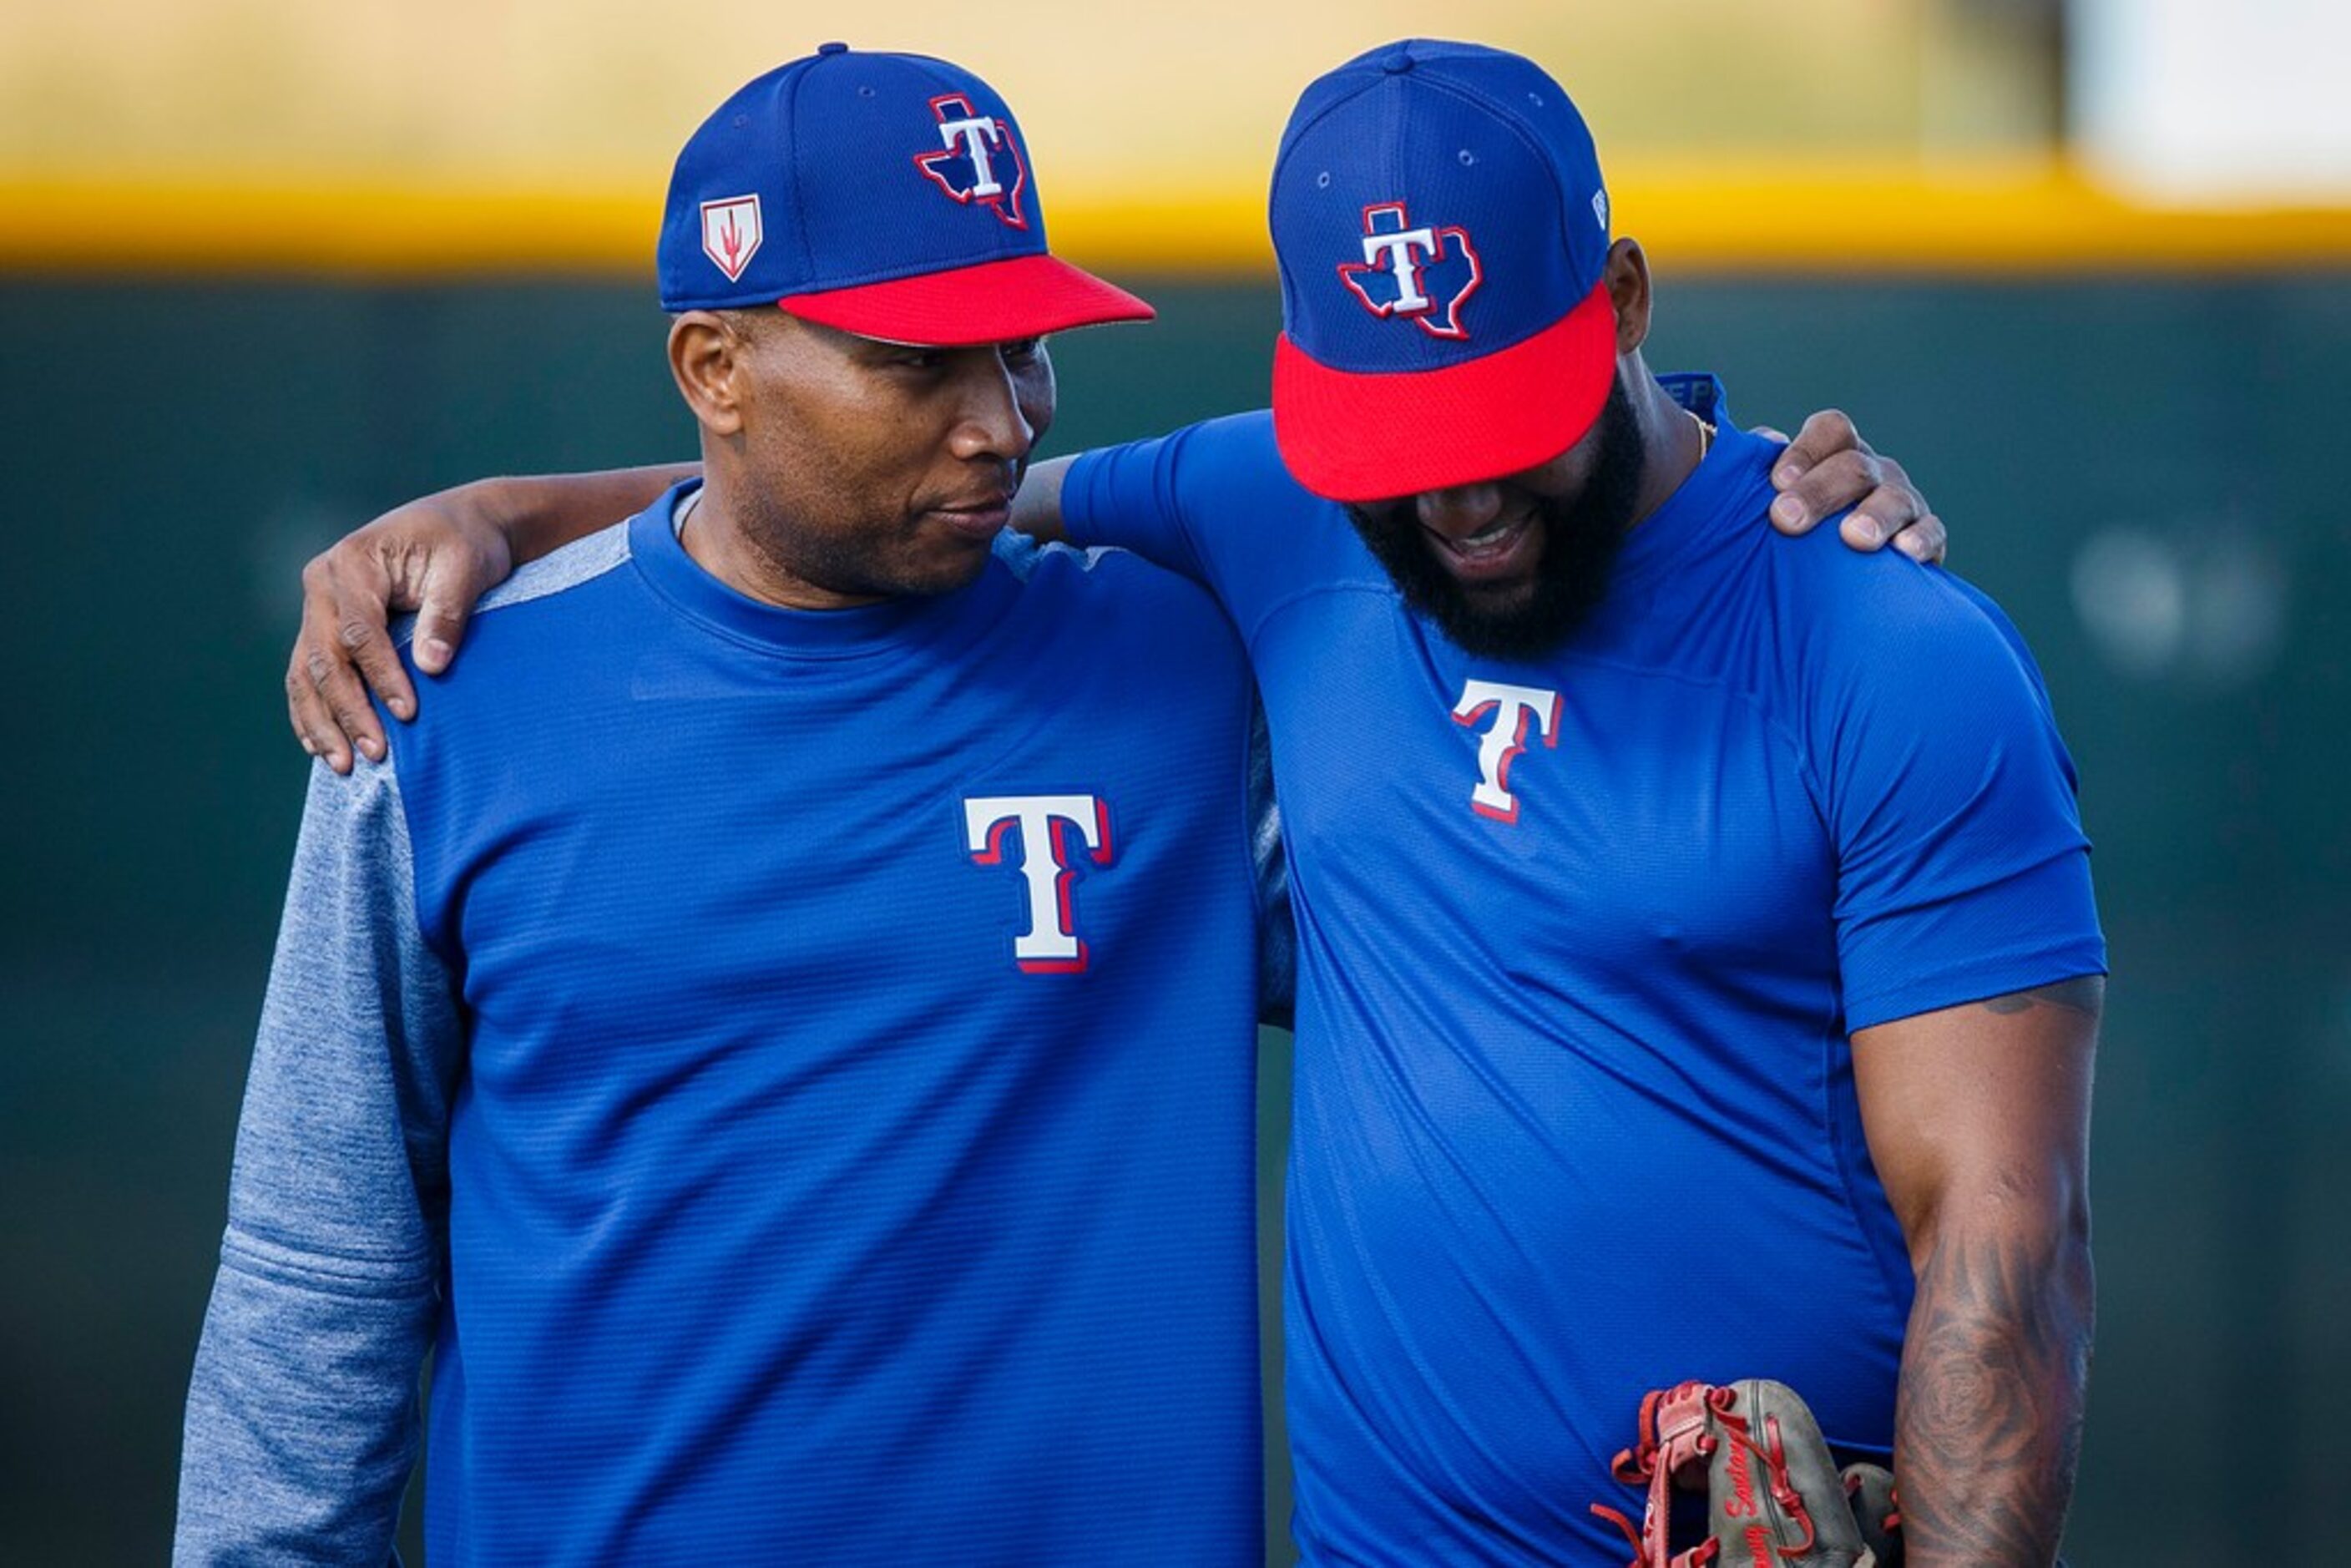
(794, 1070)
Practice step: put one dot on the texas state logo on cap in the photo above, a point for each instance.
(885, 195)
(1441, 229)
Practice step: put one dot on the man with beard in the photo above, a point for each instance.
(1470, 592)
(1679, 995)
(1684, 992)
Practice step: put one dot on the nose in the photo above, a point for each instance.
(989, 424)
(1459, 510)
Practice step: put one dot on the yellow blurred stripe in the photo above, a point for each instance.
(2006, 215)
(132, 226)
(1762, 215)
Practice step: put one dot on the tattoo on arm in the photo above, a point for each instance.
(2086, 996)
(1989, 1418)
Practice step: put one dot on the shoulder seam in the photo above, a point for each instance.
(1298, 596)
(575, 565)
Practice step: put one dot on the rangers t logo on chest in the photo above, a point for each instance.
(1045, 827)
(1513, 709)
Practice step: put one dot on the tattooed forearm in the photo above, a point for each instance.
(2086, 995)
(1988, 1419)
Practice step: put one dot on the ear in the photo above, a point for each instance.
(707, 359)
(1626, 273)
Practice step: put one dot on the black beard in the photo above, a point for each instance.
(1581, 539)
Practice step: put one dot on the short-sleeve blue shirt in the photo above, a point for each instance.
(1582, 940)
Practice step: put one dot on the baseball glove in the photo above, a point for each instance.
(1774, 1498)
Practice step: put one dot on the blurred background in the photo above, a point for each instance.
(269, 267)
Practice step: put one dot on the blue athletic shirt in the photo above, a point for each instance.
(794, 1069)
(1581, 943)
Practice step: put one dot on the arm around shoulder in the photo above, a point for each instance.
(437, 556)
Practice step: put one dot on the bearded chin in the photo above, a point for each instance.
(1581, 539)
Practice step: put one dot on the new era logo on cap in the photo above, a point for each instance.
(883, 195)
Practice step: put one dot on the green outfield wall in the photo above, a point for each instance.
(2145, 472)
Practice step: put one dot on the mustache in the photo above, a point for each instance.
(1581, 538)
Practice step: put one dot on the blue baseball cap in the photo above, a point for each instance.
(889, 195)
(1441, 228)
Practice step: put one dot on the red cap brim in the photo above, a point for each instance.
(1354, 436)
(994, 302)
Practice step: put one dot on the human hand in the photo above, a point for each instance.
(435, 556)
(1829, 467)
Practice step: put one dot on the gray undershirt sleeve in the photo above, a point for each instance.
(302, 1411)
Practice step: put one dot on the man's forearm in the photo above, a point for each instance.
(1988, 1425)
(1037, 506)
(540, 514)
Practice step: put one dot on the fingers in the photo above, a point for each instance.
(1902, 514)
(307, 707)
(1891, 508)
(314, 724)
(453, 582)
(436, 554)
(1824, 470)
(1824, 435)
(1925, 541)
(342, 639)
(1821, 489)
(361, 634)
(328, 708)
(439, 629)
(1828, 469)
